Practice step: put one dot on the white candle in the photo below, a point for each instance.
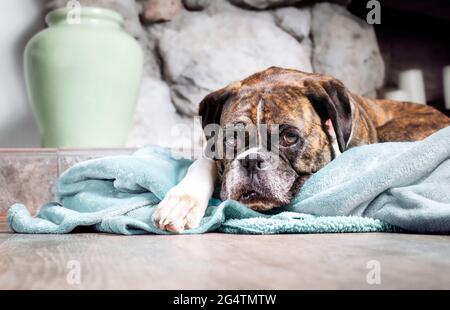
(446, 73)
(412, 82)
(397, 94)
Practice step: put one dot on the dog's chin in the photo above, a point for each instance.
(256, 201)
(260, 205)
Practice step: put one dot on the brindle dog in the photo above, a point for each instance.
(311, 110)
(317, 118)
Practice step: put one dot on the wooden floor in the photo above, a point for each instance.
(220, 261)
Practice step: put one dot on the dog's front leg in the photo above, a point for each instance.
(185, 204)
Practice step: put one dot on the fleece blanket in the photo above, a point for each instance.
(381, 187)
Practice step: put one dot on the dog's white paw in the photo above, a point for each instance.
(179, 211)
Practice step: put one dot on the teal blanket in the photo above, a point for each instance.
(380, 187)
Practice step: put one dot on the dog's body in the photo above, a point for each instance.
(317, 119)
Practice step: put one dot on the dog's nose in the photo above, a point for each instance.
(252, 162)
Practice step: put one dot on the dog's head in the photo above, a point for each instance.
(279, 126)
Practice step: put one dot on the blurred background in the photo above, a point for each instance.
(193, 47)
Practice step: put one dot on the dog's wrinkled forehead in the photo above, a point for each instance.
(278, 76)
(288, 96)
(272, 96)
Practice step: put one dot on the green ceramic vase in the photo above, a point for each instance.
(83, 77)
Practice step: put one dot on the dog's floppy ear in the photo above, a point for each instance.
(332, 100)
(211, 106)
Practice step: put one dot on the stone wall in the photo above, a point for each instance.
(193, 47)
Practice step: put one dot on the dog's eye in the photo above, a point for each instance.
(289, 138)
(239, 126)
(232, 141)
(235, 135)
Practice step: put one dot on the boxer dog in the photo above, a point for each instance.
(317, 119)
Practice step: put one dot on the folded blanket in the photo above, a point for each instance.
(380, 187)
